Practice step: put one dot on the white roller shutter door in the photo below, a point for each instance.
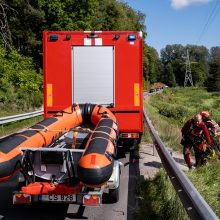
(93, 74)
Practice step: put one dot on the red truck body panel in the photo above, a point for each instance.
(127, 67)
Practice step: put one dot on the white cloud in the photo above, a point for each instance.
(179, 4)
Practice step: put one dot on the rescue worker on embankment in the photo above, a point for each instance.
(214, 131)
(194, 132)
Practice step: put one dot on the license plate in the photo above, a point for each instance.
(58, 198)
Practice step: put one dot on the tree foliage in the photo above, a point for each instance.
(28, 19)
(213, 83)
(20, 84)
(214, 54)
(201, 60)
(25, 20)
(151, 64)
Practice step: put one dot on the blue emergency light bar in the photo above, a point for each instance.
(132, 37)
(53, 37)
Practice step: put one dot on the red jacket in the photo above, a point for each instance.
(199, 130)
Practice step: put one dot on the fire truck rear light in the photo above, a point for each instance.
(132, 37)
(129, 135)
(53, 37)
(92, 200)
(19, 198)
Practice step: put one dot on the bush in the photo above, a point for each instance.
(176, 112)
(20, 84)
(7, 94)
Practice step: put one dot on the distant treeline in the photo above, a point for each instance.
(23, 21)
(170, 68)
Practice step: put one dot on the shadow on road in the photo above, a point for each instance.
(78, 215)
(27, 212)
(134, 178)
(62, 211)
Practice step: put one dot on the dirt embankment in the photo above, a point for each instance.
(150, 162)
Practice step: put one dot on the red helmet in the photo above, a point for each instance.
(205, 114)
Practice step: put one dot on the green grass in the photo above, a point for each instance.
(168, 111)
(169, 133)
(179, 104)
(4, 113)
(16, 126)
(158, 200)
(207, 181)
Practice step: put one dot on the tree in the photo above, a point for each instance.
(5, 32)
(174, 54)
(27, 19)
(151, 62)
(116, 15)
(199, 73)
(200, 69)
(213, 83)
(179, 70)
(168, 77)
(214, 54)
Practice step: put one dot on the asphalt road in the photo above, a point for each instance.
(121, 210)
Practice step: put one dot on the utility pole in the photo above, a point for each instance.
(188, 74)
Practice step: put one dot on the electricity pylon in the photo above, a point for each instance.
(188, 74)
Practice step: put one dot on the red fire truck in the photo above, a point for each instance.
(88, 77)
(101, 67)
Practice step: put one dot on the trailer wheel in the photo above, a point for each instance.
(114, 195)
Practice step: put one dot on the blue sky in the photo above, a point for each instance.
(180, 22)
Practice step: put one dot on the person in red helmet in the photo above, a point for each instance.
(212, 125)
(214, 131)
(205, 114)
(194, 132)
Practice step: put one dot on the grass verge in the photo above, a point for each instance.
(16, 126)
(206, 179)
(167, 112)
(158, 200)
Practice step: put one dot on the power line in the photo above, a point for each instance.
(210, 19)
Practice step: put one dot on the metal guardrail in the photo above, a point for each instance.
(14, 118)
(196, 207)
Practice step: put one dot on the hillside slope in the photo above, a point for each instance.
(168, 111)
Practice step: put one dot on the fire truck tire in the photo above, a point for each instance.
(120, 152)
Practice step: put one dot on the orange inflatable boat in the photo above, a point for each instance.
(96, 164)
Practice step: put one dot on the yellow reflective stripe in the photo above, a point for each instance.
(136, 94)
(49, 95)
